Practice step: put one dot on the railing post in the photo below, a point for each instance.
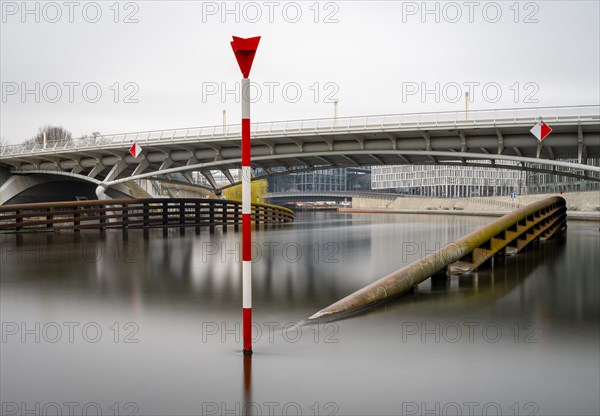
(102, 212)
(19, 219)
(211, 217)
(257, 211)
(165, 213)
(197, 216)
(266, 217)
(146, 212)
(182, 217)
(76, 221)
(224, 217)
(49, 218)
(125, 216)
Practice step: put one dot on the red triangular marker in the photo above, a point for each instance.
(541, 130)
(135, 150)
(545, 131)
(244, 50)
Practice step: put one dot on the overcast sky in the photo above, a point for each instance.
(166, 64)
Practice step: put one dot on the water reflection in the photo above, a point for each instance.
(173, 286)
(295, 268)
(247, 381)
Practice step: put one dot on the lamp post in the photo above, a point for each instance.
(244, 50)
(335, 113)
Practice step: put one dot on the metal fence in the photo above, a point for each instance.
(135, 213)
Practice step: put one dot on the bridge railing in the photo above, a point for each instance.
(322, 125)
(135, 213)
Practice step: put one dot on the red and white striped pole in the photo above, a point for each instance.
(244, 50)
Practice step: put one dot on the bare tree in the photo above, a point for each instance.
(55, 136)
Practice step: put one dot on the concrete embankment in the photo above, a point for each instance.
(580, 205)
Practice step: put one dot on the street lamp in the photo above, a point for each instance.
(335, 113)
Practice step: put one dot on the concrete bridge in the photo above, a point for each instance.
(490, 138)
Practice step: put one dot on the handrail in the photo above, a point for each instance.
(316, 125)
(508, 234)
(274, 207)
(135, 213)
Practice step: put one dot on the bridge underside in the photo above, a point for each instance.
(508, 147)
(25, 189)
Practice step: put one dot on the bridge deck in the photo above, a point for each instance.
(499, 138)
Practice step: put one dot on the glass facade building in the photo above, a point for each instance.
(317, 180)
(449, 181)
(468, 181)
(544, 183)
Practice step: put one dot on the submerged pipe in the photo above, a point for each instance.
(408, 277)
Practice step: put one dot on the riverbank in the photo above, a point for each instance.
(580, 216)
(580, 205)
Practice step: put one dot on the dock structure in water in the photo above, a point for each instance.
(506, 235)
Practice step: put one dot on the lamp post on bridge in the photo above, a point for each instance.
(244, 50)
(335, 113)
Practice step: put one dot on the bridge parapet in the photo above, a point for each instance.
(135, 213)
(358, 124)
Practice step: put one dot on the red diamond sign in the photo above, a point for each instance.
(541, 130)
(135, 150)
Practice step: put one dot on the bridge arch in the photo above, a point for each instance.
(51, 186)
(469, 159)
(444, 158)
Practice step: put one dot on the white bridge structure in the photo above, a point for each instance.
(488, 138)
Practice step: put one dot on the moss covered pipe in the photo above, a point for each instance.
(408, 277)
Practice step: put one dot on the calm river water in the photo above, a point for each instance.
(140, 324)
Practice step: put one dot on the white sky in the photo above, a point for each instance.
(366, 59)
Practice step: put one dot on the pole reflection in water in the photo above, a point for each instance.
(247, 405)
